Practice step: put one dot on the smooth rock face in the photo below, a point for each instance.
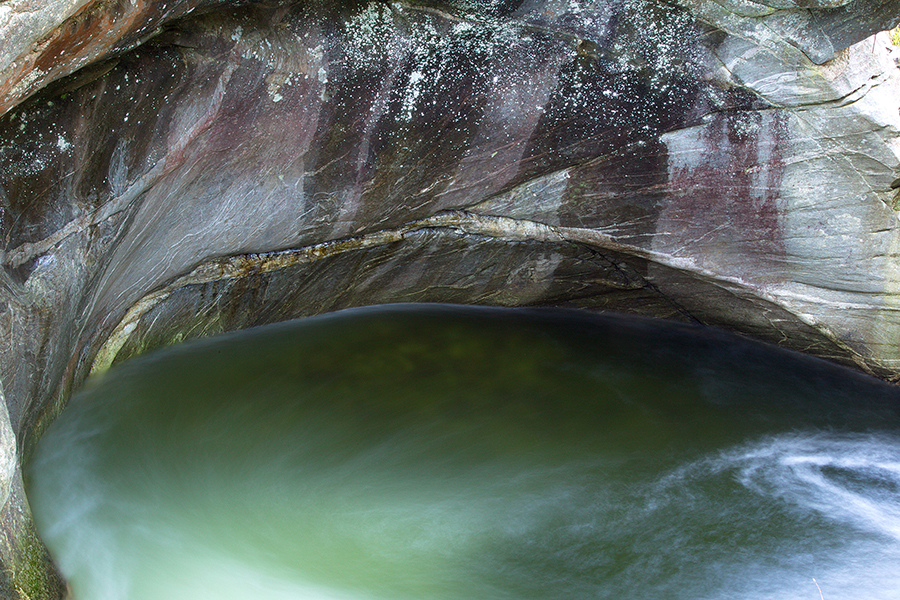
(728, 163)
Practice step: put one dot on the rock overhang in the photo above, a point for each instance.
(270, 161)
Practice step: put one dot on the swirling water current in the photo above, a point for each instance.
(448, 453)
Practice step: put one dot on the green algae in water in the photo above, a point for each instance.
(437, 452)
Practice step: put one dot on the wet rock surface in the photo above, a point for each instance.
(181, 169)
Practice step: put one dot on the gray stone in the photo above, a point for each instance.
(182, 174)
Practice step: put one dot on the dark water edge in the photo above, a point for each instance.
(446, 452)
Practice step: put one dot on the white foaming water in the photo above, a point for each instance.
(854, 478)
(840, 493)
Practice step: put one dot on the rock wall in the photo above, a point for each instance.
(178, 169)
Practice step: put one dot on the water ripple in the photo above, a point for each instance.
(854, 478)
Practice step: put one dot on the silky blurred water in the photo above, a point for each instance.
(449, 453)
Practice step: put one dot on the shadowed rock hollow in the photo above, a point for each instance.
(180, 169)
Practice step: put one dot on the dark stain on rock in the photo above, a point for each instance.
(338, 163)
(35, 141)
(592, 112)
(124, 117)
(622, 192)
(604, 121)
(730, 195)
(394, 129)
(426, 130)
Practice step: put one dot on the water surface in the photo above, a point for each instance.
(449, 453)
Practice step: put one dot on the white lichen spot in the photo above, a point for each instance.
(462, 27)
(414, 90)
(317, 54)
(276, 82)
(370, 32)
(237, 33)
(745, 125)
(62, 143)
(37, 165)
(416, 77)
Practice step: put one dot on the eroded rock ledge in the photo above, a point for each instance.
(172, 170)
(519, 262)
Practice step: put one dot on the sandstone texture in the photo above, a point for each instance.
(178, 169)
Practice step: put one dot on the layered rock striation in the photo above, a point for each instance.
(177, 169)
